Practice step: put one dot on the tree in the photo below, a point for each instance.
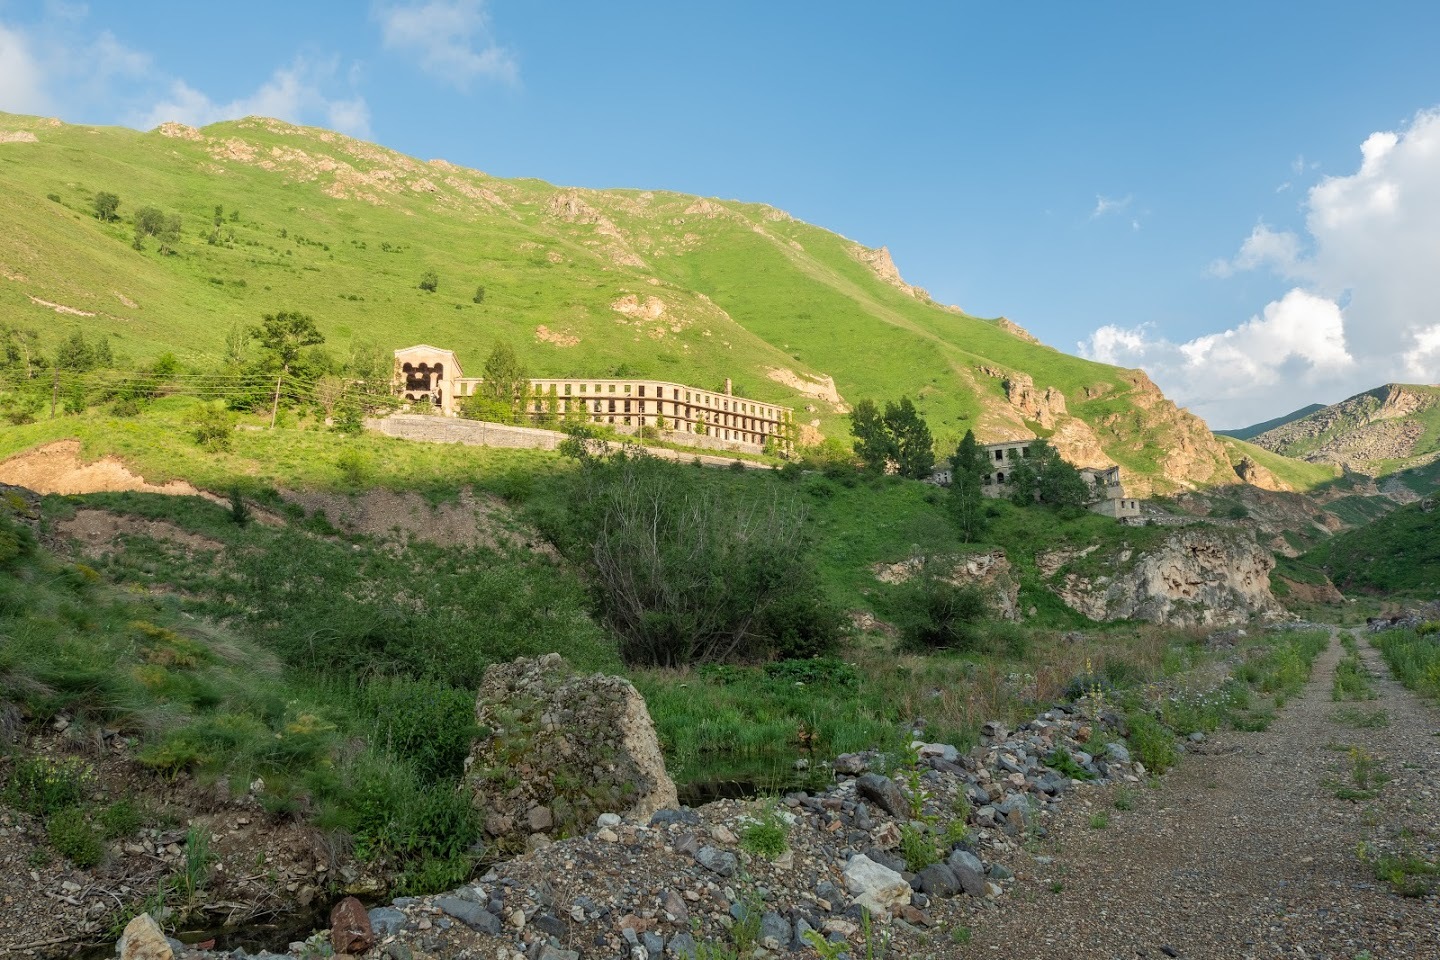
(152, 222)
(237, 342)
(899, 436)
(910, 439)
(283, 335)
(429, 281)
(105, 206)
(75, 354)
(503, 390)
(967, 467)
(1024, 478)
(873, 444)
(1061, 484)
(479, 294)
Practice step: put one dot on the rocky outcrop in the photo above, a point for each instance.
(1376, 425)
(1257, 476)
(880, 261)
(1197, 575)
(1193, 457)
(1014, 329)
(1042, 406)
(559, 750)
(991, 572)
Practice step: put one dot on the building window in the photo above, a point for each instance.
(612, 409)
(567, 389)
(999, 478)
(612, 388)
(627, 406)
(642, 389)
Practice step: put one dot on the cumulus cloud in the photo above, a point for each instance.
(296, 93)
(1362, 310)
(450, 39)
(21, 81)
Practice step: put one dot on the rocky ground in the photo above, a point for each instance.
(1244, 851)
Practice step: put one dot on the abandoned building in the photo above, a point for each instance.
(1108, 493)
(425, 374)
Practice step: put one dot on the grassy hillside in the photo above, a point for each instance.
(1299, 475)
(277, 217)
(1397, 554)
(1253, 431)
(1381, 431)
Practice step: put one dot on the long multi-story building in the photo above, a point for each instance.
(425, 374)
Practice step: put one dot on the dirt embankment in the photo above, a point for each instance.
(56, 468)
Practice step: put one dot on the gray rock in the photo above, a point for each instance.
(850, 763)
(775, 931)
(471, 914)
(938, 880)
(886, 858)
(883, 792)
(798, 941)
(998, 871)
(682, 947)
(611, 820)
(548, 924)
(397, 951)
(548, 952)
(970, 881)
(674, 904)
(966, 859)
(685, 815)
(654, 944)
(1197, 737)
(386, 920)
(1118, 751)
(717, 861)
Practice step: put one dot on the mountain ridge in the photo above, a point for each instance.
(584, 281)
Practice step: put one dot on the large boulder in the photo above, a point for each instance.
(875, 887)
(143, 940)
(558, 749)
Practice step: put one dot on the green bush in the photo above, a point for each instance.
(431, 725)
(74, 838)
(1150, 742)
(933, 613)
(213, 427)
(768, 837)
(43, 786)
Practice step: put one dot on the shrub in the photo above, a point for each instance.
(74, 838)
(767, 837)
(936, 614)
(43, 786)
(429, 724)
(479, 294)
(918, 848)
(1151, 743)
(212, 427)
(429, 281)
(355, 467)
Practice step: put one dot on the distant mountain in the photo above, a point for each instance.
(1253, 431)
(1380, 431)
(582, 283)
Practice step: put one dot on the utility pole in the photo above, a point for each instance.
(275, 409)
(54, 389)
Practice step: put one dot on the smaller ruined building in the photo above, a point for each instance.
(710, 418)
(1108, 492)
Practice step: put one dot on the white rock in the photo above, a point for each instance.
(144, 940)
(875, 887)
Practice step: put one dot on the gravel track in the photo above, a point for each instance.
(1243, 851)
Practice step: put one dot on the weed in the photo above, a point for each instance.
(74, 838)
(1099, 821)
(1406, 872)
(1356, 717)
(1063, 763)
(120, 819)
(1352, 680)
(1151, 743)
(43, 786)
(767, 837)
(960, 935)
(917, 846)
(1057, 887)
(1124, 799)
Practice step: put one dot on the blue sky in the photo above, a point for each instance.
(1178, 189)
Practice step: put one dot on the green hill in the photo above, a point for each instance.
(1381, 431)
(1397, 554)
(583, 282)
(1254, 430)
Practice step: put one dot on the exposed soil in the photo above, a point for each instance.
(473, 520)
(56, 468)
(1243, 851)
(95, 531)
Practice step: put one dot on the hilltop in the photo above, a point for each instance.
(1254, 430)
(1381, 431)
(582, 282)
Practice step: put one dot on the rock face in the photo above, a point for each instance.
(1257, 476)
(1376, 425)
(1198, 575)
(991, 572)
(561, 749)
(1042, 406)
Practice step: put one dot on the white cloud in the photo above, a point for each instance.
(1364, 299)
(450, 39)
(21, 82)
(295, 93)
(1104, 205)
(1279, 250)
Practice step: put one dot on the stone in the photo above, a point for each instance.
(469, 913)
(674, 904)
(723, 834)
(1118, 751)
(964, 858)
(681, 815)
(883, 792)
(385, 921)
(971, 881)
(886, 858)
(875, 887)
(608, 820)
(144, 940)
(775, 931)
(350, 927)
(998, 871)
(606, 835)
(938, 880)
(886, 837)
(563, 730)
(653, 943)
(717, 861)
(682, 947)
(551, 952)
(850, 764)
(548, 924)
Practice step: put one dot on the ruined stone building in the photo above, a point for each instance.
(425, 374)
(1108, 491)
